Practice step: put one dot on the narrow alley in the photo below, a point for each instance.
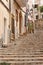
(21, 32)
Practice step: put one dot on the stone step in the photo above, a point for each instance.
(21, 58)
(17, 58)
(11, 61)
(10, 53)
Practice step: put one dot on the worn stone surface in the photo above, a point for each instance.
(29, 44)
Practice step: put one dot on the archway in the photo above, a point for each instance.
(16, 17)
(12, 28)
(20, 23)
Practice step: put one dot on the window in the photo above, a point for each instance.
(36, 16)
(35, 6)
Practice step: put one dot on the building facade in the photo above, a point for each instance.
(12, 19)
(4, 20)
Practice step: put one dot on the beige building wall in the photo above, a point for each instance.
(14, 7)
(4, 22)
(8, 19)
(16, 22)
(6, 2)
(30, 2)
(23, 21)
(1, 23)
(36, 1)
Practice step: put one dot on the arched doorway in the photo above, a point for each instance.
(20, 23)
(16, 17)
(12, 28)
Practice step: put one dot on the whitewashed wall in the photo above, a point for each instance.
(6, 3)
(4, 14)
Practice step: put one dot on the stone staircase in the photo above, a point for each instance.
(36, 58)
(24, 53)
(21, 59)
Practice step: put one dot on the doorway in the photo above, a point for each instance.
(20, 22)
(16, 18)
(12, 28)
(4, 35)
